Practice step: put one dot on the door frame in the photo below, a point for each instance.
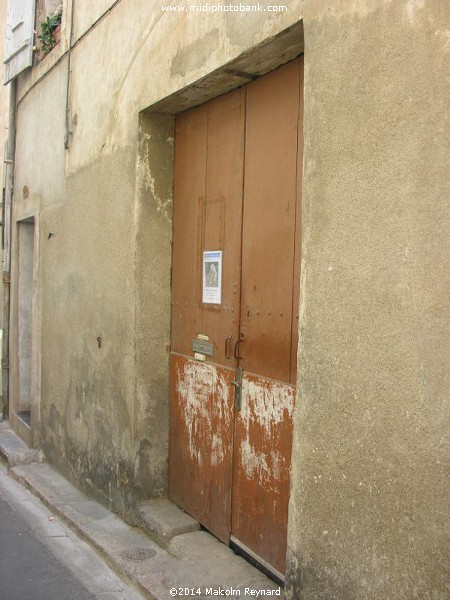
(25, 214)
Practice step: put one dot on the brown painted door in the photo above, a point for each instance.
(237, 190)
(207, 216)
(268, 323)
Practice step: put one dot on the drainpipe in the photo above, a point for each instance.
(68, 132)
(7, 212)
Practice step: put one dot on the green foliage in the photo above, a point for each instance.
(47, 28)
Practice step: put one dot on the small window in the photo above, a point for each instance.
(19, 37)
(48, 26)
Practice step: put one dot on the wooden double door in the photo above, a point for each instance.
(235, 295)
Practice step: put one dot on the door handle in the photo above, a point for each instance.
(227, 349)
(236, 346)
(238, 389)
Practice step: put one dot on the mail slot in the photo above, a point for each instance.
(203, 347)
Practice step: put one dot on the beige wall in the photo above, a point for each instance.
(368, 503)
(4, 90)
(4, 106)
(105, 228)
(370, 496)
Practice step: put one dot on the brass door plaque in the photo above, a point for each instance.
(203, 347)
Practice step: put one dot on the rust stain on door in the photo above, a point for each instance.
(270, 257)
(262, 452)
(209, 150)
(200, 454)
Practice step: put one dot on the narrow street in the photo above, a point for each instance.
(41, 559)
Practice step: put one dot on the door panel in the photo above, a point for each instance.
(223, 214)
(262, 458)
(268, 238)
(201, 426)
(190, 179)
(263, 429)
(207, 216)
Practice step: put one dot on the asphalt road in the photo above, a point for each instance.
(42, 559)
(28, 570)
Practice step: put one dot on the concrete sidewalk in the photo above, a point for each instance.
(174, 558)
(43, 559)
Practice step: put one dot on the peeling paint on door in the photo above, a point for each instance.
(261, 466)
(230, 456)
(265, 406)
(195, 383)
(201, 441)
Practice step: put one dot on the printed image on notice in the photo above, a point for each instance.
(212, 277)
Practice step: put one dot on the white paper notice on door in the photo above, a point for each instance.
(212, 277)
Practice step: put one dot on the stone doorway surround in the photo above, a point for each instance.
(153, 259)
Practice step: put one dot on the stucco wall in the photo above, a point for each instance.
(4, 105)
(370, 496)
(105, 228)
(40, 161)
(368, 507)
(4, 94)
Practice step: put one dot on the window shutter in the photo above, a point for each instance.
(19, 37)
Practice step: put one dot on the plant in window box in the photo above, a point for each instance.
(50, 31)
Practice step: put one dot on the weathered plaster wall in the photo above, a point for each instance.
(370, 498)
(4, 106)
(141, 60)
(39, 172)
(153, 298)
(88, 327)
(4, 91)
(38, 184)
(105, 225)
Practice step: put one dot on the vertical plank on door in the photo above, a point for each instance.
(189, 193)
(263, 427)
(207, 216)
(223, 214)
(270, 197)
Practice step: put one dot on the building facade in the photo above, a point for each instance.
(132, 360)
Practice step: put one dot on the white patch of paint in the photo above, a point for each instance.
(204, 399)
(216, 450)
(265, 406)
(164, 206)
(254, 462)
(259, 466)
(268, 403)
